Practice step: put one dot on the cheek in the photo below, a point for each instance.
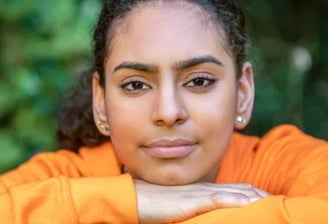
(124, 125)
(214, 109)
(126, 117)
(215, 123)
(213, 118)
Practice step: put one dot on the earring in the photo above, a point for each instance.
(241, 120)
(104, 126)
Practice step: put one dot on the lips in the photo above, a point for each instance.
(171, 149)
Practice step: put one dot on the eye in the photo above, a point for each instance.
(200, 82)
(134, 86)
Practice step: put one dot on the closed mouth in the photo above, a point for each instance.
(170, 149)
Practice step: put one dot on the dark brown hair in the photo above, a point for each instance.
(76, 125)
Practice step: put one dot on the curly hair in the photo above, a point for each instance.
(76, 126)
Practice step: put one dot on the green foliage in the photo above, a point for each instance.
(290, 53)
(45, 44)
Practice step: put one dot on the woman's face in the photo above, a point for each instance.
(171, 95)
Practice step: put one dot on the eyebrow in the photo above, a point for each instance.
(136, 66)
(196, 61)
(178, 66)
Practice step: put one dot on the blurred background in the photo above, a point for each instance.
(45, 45)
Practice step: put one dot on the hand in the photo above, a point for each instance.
(158, 204)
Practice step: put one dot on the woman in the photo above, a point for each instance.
(170, 86)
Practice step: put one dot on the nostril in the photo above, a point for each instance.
(170, 121)
(180, 121)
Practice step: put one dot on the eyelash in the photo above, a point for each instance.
(128, 85)
(202, 77)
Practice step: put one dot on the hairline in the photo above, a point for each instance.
(210, 18)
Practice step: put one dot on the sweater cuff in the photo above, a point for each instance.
(267, 210)
(104, 199)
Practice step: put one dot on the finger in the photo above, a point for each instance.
(244, 188)
(224, 199)
(262, 193)
(228, 185)
(212, 201)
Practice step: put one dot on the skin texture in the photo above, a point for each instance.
(171, 99)
(154, 94)
(159, 204)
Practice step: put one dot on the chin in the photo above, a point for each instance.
(170, 180)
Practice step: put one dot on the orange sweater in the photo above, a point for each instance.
(88, 187)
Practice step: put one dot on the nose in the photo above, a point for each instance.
(169, 108)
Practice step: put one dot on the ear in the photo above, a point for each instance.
(98, 106)
(245, 93)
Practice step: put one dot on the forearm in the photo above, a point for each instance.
(34, 202)
(63, 200)
(105, 200)
(274, 209)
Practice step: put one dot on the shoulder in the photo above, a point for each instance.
(285, 160)
(283, 131)
(101, 159)
(296, 160)
(89, 161)
(290, 137)
(282, 144)
(279, 141)
(98, 160)
(281, 136)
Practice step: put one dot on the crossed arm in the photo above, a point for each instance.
(67, 192)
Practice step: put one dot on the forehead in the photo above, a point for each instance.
(175, 8)
(178, 24)
(188, 8)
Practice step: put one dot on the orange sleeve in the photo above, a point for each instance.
(290, 165)
(62, 188)
(271, 210)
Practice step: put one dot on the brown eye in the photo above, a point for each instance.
(131, 86)
(200, 82)
(137, 85)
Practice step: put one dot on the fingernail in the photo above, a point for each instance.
(253, 199)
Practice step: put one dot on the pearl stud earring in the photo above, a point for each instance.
(104, 126)
(241, 120)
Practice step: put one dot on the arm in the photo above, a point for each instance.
(57, 188)
(289, 164)
(294, 168)
(38, 191)
(66, 188)
(226, 203)
(275, 209)
(167, 204)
